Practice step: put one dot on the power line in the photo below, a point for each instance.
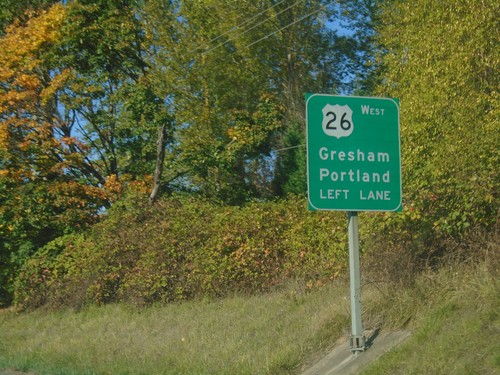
(251, 28)
(240, 25)
(284, 27)
(288, 148)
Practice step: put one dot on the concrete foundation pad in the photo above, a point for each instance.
(341, 361)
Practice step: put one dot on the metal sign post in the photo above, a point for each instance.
(353, 164)
(357, 339)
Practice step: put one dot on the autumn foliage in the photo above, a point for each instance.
(106, 102)
(184, 248)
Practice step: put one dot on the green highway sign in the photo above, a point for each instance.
(353, 153)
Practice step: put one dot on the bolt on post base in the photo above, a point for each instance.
(357, 344)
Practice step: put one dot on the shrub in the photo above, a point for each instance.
(183, 248)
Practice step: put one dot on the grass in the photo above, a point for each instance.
(456, 326)
(454, 314)
(269, 334)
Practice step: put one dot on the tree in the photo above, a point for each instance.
(106, 49)
(40, 192)
(291, 174)
(211, 95)
(78, 113)
(441, 60)
(19, 10)
(217, 59)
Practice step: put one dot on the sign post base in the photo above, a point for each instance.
(357, 344)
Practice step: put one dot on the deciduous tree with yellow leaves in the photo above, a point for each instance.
(77, 114)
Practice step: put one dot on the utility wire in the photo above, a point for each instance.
(288, 148)
(251, 28)
(240, 25)
(284, 27)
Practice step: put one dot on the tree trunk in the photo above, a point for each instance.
(160, 159)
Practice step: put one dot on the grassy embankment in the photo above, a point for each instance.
(454, 314)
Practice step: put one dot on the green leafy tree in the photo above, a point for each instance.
(441, 59)
(214, 94)
(106, 50)
(291, 177)
(217, 59)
